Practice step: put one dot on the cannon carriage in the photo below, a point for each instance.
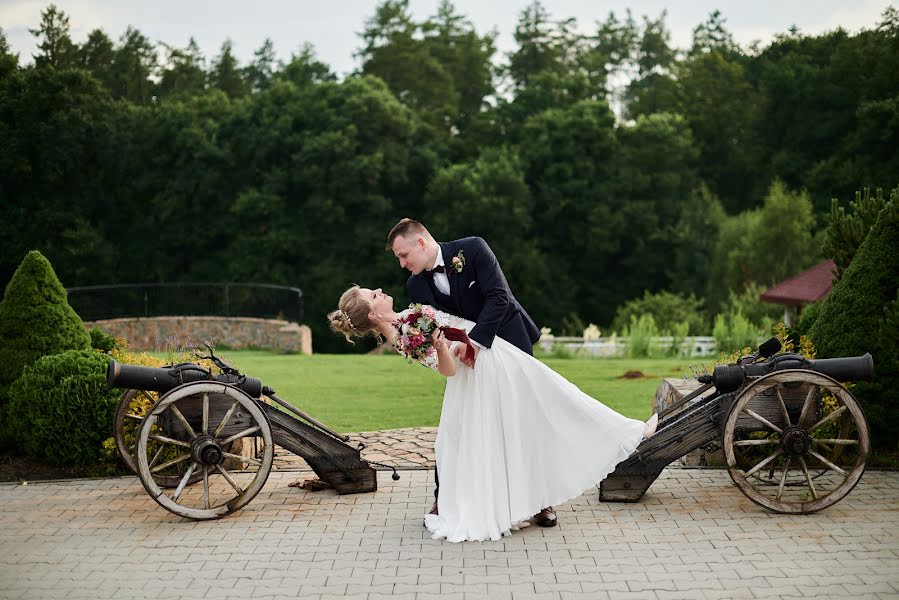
(202, 444)
(795, 439)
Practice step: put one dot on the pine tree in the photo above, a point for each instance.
(859, 316)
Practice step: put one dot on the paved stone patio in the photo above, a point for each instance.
(693, 536)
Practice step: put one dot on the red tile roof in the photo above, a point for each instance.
(809, 286)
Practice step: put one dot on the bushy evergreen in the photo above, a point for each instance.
(35, 319)
(861, 316)
(61, 408)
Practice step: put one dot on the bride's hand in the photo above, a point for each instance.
(439, 340)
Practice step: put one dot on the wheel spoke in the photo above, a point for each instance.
(783, 479)
(837, 442)
(777, 453)
(762, 419)
(206, 416)
(168, 440)
(807, 405)
(135, 417)
(229, 479)
(828, 463)
(156, 456)
(808, 478)
(783, 406)
(174, 461)
(242, 458)
(184, 422)
(756, 442)
(206, 486)
(239, 435)
(225, 419)
(835, 414)
(183, 483)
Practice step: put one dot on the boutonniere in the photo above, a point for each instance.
(459, 261)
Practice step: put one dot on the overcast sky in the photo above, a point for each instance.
(332, 27)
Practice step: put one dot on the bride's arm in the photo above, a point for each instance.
(446, 366)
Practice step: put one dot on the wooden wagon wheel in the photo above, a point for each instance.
(133, 407)
(802, 441)
(223, 415)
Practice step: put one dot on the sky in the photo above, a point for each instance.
(332, 27)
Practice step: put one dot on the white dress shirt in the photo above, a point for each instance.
(440, 279)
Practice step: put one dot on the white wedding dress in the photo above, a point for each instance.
(515, 437)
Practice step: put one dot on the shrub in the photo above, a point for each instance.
(102, 341)
(807, 318)
(847, 232)
(861, 315)
(668, 311)
(639, 336)
(733, 331)
(762, 315)
(61, 409)
(35, 320)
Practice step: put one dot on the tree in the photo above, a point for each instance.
(763, 245)
(97, 55)
(305, 69)
(488, 197)
(55, 45)
(669, 311)
(654, 88)
(654, 174)
(569, 156)
(394, 53)
(693, 238)
(860, 315)
(226, 74)
(133, 67)
(712, 36)
(723, 110)
(8, 61)
(845, 233)
(35, 320)
(184, 71)
(258, 74)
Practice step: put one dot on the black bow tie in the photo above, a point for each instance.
(438, 269)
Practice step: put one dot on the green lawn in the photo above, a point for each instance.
(370, 392)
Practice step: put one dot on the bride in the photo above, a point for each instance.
(514, 435)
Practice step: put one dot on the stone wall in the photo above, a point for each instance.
(168, 334)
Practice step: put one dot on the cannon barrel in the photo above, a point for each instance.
(728, 378)
(163, 379)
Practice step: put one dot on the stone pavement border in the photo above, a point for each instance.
(693, 536)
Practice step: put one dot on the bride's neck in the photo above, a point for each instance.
(386, 327)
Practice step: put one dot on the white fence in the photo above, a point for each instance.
(616, 346)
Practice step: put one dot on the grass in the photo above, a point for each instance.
(371, 392)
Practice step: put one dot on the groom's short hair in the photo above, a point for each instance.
(405, 227)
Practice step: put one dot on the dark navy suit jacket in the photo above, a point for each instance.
(478, 293)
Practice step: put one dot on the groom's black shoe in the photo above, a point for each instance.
(546, 517)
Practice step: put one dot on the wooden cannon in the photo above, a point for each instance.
(794, 438)
(180, 425)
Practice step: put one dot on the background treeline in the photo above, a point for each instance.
(599, 161)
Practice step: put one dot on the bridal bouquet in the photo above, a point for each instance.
(415, 329)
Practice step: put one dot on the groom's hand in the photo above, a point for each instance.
(459, 351)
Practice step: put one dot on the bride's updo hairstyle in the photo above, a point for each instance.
(351, 317)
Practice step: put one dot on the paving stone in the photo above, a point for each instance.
(693, 536)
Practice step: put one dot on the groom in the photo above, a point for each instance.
(464, 278)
